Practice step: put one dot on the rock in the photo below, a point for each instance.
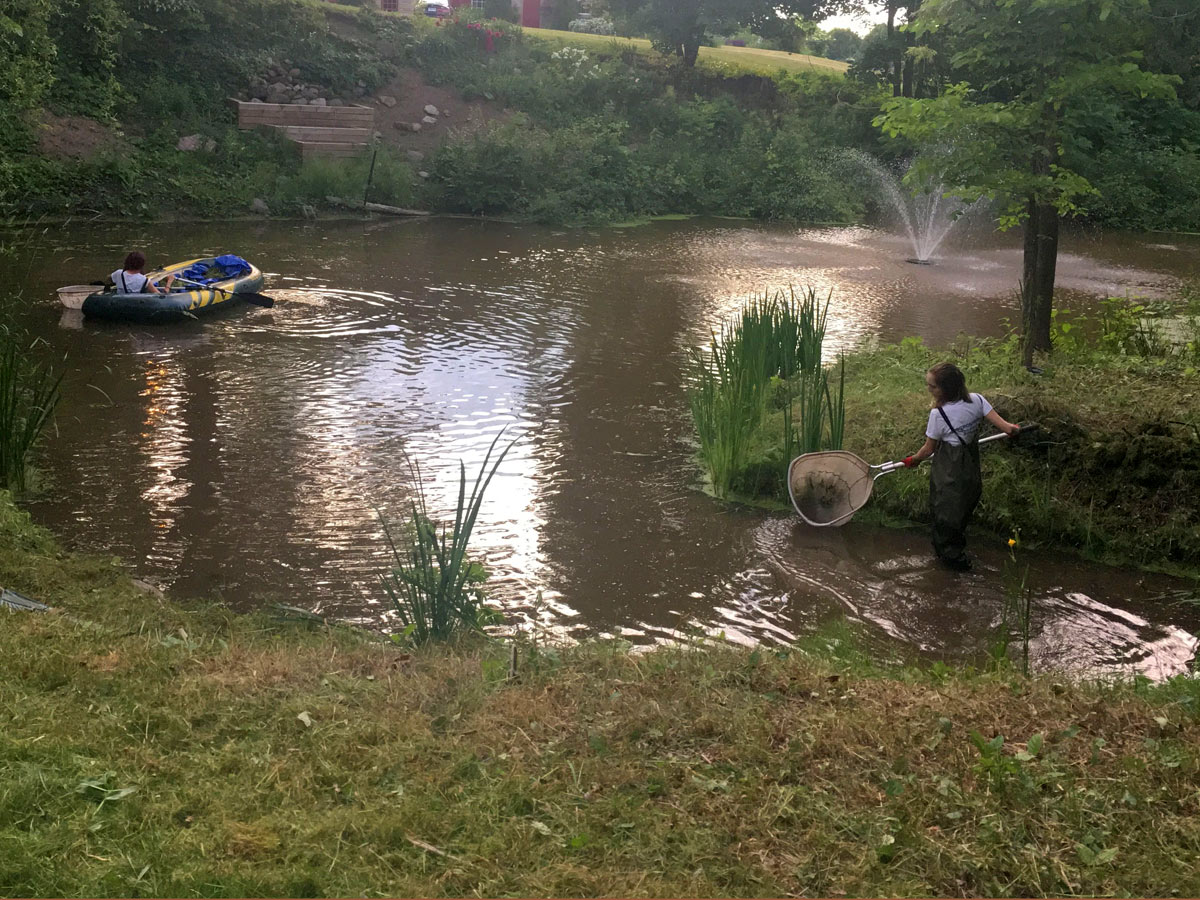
(387, 101)
(255, 100)
(360, 92)
(414, 156)
(430, 109)
(414, 127)
(445, 113)
(317, 101)
(378, 135)
(259, 205)
(362, 84)
(337, 101)
(190, 142)
(311, 93)
(429, 120)
(422, 174)
(258, 92)
(299, 101)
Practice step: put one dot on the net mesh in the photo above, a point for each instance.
(827, 488)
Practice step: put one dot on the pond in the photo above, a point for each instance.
(247, 457)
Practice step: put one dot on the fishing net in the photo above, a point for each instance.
(827, 488)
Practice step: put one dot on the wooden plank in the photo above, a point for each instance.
(325, 135)
(253, 114)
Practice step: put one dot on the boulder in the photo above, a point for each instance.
(190, 142)
(422, 174)
(317, 101)
(259, 205)
(429, 120)
(430, 109)
(336, 101)
(300, 101)
(388, 101)
(414, 156)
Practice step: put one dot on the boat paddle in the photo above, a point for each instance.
(257, 299)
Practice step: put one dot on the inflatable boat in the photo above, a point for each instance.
(201, 285)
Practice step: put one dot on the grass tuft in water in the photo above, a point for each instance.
(436, 590)
(767, 356)
(28, 396)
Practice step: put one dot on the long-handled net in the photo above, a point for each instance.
(827, 488)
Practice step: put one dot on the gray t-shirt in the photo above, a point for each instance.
(129, 284)
(966, 418)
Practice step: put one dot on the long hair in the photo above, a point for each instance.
(135, 261)
(951, 383)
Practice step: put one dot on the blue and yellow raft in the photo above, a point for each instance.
(183, 301)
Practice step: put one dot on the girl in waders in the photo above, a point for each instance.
(955, 482)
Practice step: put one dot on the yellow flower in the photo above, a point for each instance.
(1012, 542)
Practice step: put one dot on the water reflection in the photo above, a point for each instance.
(248, 455)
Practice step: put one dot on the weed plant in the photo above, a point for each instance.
(435, 589)
(28, 395)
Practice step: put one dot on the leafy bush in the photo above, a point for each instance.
(593, 26)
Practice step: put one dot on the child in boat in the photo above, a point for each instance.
(955, 482)
(130, 280)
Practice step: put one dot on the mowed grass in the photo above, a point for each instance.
(748, 59)
(153, 750)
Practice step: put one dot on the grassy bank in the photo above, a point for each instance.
(734, 60)
(1114, 473)
(149, 749)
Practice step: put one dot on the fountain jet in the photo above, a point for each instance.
(928, 216)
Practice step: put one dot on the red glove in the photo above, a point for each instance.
(909, 462)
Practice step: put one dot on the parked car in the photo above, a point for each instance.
(437, 9)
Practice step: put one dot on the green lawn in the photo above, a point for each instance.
(750, 59)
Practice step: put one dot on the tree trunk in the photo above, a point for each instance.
(1037, 282)
(691, 49)
(896, 61)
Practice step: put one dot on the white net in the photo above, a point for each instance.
(827, 488)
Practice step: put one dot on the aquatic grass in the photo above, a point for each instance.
(769, 353)
(434, 588)
(29, 392)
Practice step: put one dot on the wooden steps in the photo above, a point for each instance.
(336, 131)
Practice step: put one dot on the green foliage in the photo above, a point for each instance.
(434, 587)
(26, 54)
(1003, 115)
(86, 35)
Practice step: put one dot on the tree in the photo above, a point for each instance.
(1029, 69)
(842, 43)
(682, 26)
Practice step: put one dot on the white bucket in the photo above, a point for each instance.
(73, 295)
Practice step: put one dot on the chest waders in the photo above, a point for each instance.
(955, 486)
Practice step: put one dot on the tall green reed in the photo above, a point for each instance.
(435, 589)
(770, 350)
(29, 392)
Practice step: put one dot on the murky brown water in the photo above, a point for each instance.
(245, 456)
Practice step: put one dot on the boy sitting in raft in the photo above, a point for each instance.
(130, 280)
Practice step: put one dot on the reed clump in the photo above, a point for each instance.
(435, 589)
(768, 357)
(29, 392)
